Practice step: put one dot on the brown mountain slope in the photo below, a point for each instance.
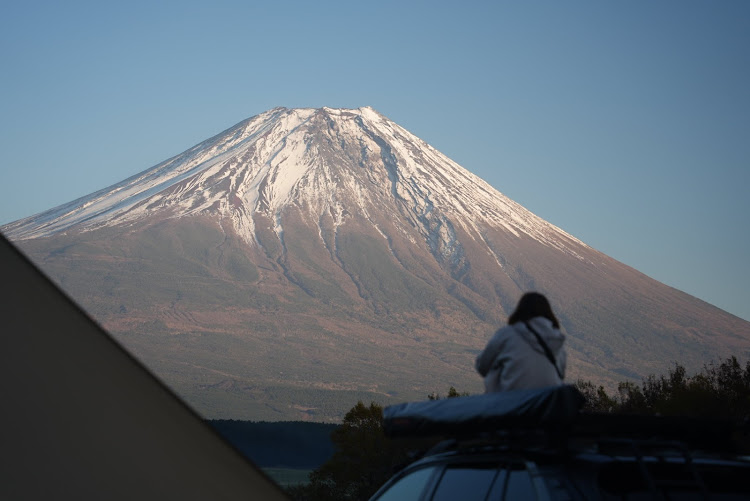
(240, 334)
(305, 259)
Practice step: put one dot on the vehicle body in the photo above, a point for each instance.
(576, 457)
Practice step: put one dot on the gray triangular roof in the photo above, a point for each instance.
(82, 419)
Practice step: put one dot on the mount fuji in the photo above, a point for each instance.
(307, 258)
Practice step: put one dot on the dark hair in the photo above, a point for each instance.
(533, 304)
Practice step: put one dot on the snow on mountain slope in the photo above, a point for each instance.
(329, 161)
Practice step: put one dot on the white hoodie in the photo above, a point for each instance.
(514, 360)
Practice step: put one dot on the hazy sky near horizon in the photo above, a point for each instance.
(625, 124)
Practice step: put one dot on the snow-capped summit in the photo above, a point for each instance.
(327, 161)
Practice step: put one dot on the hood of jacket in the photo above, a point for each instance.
(546, 330)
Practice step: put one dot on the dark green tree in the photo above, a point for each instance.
(718, 391)
(364, 458)
(597, 399)
(452, 393)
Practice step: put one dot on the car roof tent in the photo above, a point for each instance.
(474, 414)
(82, 418)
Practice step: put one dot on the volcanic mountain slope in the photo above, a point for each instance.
(307, 258)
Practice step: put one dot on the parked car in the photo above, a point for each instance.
(538, 446)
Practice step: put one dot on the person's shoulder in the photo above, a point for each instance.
(505, 330)
(542, 323)
(505, 333)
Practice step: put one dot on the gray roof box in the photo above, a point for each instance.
(488, 412)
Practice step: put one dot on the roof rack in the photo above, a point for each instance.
(697, 433)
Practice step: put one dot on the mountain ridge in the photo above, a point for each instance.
(136, 190)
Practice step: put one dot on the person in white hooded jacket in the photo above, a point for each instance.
(527, 353)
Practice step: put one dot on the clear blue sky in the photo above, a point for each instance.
(627, 124)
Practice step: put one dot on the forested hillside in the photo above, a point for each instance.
(287, 444)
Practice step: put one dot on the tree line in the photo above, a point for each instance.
(284, 444)
(364, 458)
(718, 391)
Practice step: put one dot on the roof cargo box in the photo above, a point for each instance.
(471, 414)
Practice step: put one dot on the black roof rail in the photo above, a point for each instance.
(708, 434)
